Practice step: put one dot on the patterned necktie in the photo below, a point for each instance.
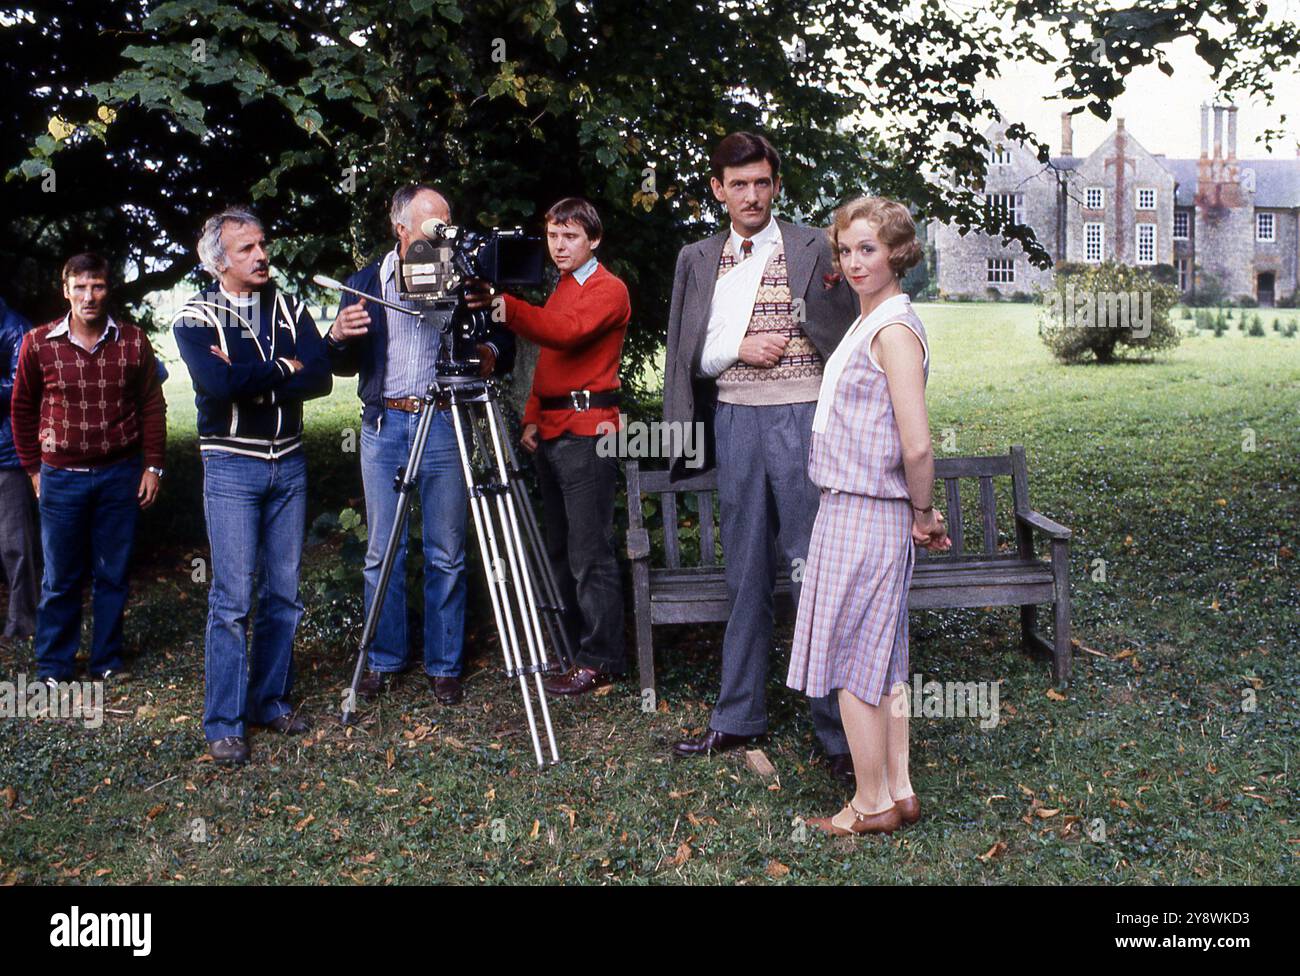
(746, 249)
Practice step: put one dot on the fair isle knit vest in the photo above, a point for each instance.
(797, 377)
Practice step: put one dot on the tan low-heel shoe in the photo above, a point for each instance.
(909, 809)
(885, 822)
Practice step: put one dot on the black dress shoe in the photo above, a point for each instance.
(446, 689)
(842, 768)
(230, 751)
(711, 741)
(290, 723)
(374, 683)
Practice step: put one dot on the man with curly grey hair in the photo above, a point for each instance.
(254, 356)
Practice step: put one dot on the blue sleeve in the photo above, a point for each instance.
(315, 378)
(11, 341)
(212, 377)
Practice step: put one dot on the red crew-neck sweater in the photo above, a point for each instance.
(75, 409)
(580, 331)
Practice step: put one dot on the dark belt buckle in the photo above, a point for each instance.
(581, 399)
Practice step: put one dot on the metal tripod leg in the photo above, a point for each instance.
(552, 602)
(506, 577)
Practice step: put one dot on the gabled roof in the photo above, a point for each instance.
(1277, 181)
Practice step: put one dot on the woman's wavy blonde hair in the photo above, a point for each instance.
(892, 223)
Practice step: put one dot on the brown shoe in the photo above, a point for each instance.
(230, 751)
(710, 742)
(374, 683)
(909, 809)
(290, 723)
(885, 822)
(446, 689)
(576, 681)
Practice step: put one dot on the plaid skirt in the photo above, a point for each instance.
(851, 631)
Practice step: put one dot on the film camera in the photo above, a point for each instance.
(436, 273)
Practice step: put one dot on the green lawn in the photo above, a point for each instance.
(1198, 613)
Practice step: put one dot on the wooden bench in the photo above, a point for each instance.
(998, 570)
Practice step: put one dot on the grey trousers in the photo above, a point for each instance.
(767, 507)
(19, 544)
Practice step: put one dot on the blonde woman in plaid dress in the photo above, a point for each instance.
(872, 458)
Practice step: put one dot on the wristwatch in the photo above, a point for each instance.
(157, 471)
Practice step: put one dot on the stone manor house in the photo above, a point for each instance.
(1237, 220)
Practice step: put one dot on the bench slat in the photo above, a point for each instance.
(989, 512)
(668, 508)
(953, 496)
(972, 467)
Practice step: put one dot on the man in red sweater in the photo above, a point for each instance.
(90, 429)
(575, 390)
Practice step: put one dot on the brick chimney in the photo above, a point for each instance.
(1218, 185)
(1067, 136)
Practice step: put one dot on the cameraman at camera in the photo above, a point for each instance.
(574, 400)
(393, 355)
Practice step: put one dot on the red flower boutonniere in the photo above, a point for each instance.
(830, 280)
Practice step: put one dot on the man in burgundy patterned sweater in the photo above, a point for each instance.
(89, 426)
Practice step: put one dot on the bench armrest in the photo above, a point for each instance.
(638, 544)
(1035, 520)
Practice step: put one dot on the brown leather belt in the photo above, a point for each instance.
(415, 404)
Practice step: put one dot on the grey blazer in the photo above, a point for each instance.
(829, 309)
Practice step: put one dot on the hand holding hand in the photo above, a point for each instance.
(929, 531)
(763, 351)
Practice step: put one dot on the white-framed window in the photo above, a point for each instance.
(1094, 197)
(1146, 243)
(1000, 156)
(1265, 227)
(1182, 221)
(1146, 198)
(1001, 271)
(1011, 204)
(1094, 237)
(1182, 273)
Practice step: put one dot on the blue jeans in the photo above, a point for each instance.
(444, 509)
(87, 524)
(256, 513)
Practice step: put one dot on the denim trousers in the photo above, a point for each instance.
(444, 508)
(87, 525)
(256, 512)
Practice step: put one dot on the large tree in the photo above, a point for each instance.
(151, 114)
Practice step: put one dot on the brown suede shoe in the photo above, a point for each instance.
(576, 681)
(230, 751)
(447, 689)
